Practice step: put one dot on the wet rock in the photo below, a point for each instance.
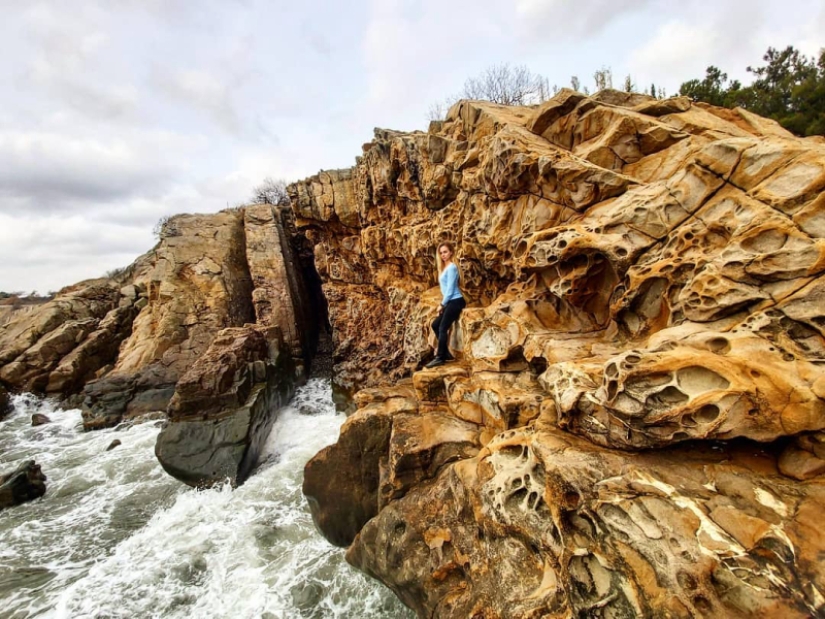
(342, 482)
(6, 407)
(225, 405)
(39, 419)
(25, 483)
(113, 444)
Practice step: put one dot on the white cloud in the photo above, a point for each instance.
(117, 113)
(677, 49)
(203, 90)
(565, 19)
(729, 35)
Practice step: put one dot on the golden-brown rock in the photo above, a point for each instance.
(640, 273)
(541, 523)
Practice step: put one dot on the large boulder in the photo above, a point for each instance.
(224, 407)
(26, 483)
(342, 482)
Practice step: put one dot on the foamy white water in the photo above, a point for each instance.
(115, 536)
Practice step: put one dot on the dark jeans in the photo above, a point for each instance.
(445, 320)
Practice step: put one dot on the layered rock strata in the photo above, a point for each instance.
(197, 282)
(58, 346)
(641, 273)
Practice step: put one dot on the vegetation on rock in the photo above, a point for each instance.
(789, 89)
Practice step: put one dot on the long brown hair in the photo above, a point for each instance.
(441, 265)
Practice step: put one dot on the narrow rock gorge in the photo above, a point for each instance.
(634, 425)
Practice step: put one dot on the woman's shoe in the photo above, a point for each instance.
(435, 363)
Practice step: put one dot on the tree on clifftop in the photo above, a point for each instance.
(790, 89)
(503, 84)
(271, 191)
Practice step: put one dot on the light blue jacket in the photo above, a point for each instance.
(448, 280)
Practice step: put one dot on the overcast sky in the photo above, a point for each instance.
(117, 112)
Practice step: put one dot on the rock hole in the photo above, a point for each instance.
(766, 241)
(612, 388)
(681, 436)
(518, 495)
(668, 397)
(695, 379)
(621, 252)
(611, 370)
(702, 605)
(400, 528)
(572, 499)
(633, 359)
(687, 581)
(719, 345)
(538, 365)
(707, 414)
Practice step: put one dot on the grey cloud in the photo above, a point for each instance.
(316, 40)
(566, 19)
(57, 172)
(204, 91)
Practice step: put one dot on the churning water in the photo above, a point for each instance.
(115, 536)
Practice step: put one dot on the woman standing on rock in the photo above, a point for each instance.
(451, 305)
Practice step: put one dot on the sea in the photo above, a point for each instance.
(116, 537)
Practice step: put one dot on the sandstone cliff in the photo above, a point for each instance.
(215, 323)
(642, 275)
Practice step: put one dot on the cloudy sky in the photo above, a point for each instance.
(115, 113)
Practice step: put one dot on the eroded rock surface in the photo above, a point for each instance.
(641, 273)
(542, 523)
